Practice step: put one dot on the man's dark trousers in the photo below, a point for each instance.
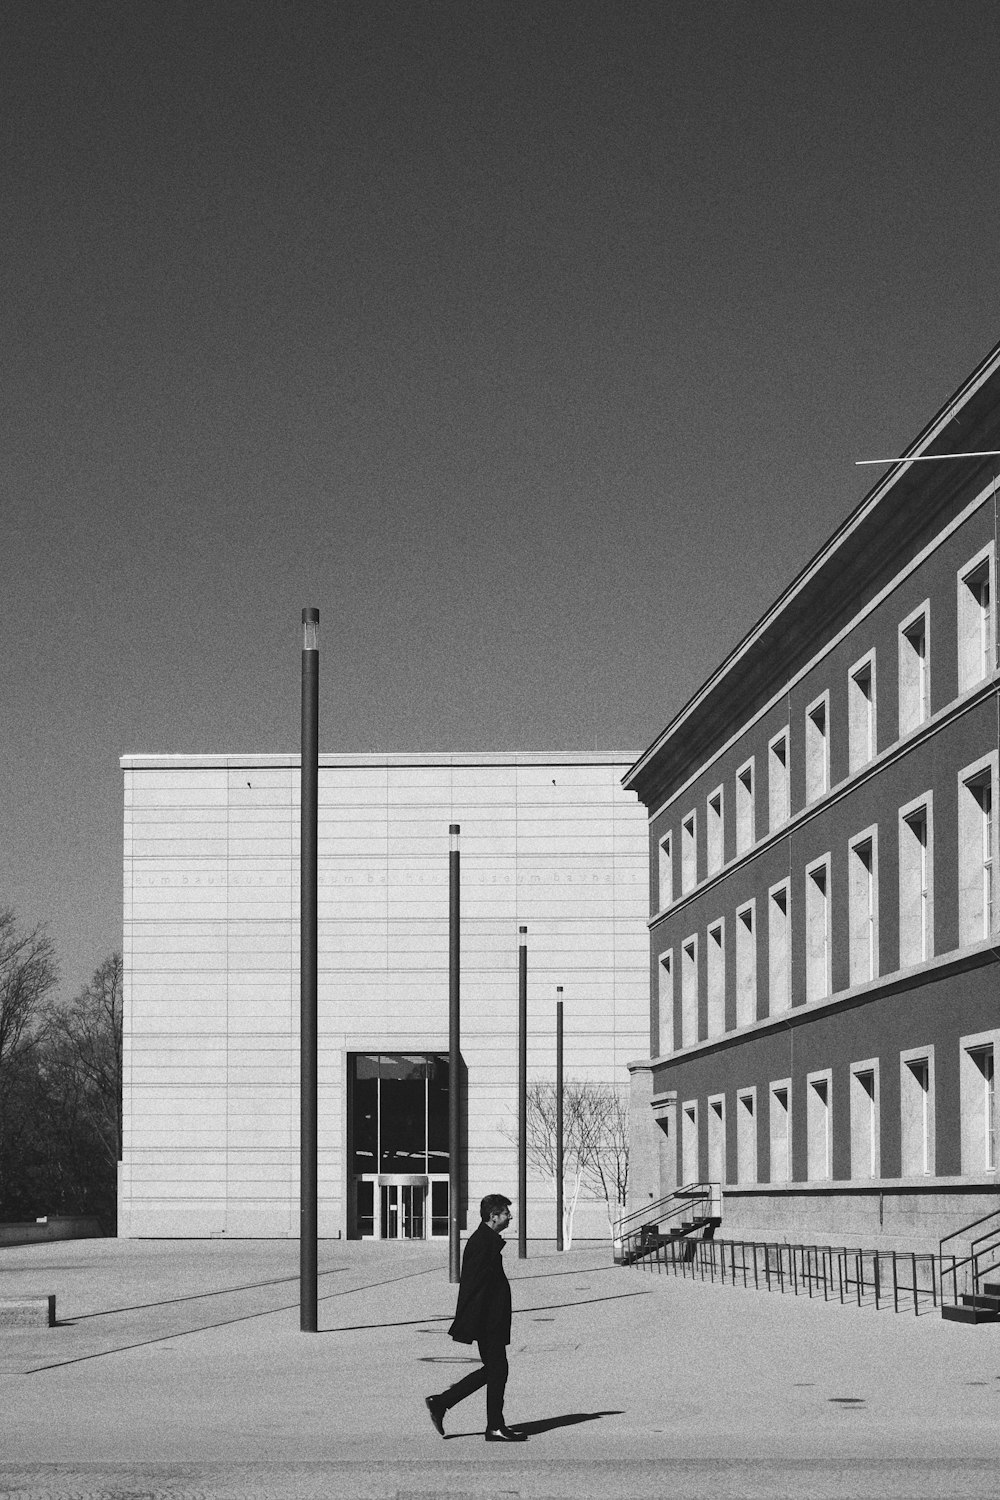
(493, 1375)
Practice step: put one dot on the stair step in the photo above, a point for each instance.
(989, 1303)
(969, 1315)
(991, 1288)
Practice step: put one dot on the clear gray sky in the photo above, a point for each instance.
(532, 342)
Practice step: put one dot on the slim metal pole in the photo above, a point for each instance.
(522, 1093)
(559, 1119)
(308, 1227)
(454, 1057)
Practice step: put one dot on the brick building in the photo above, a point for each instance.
(825, 1011)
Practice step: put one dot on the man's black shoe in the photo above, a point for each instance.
(505, 1435)
(437, 1411)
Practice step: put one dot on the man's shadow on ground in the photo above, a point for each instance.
(546, 1424)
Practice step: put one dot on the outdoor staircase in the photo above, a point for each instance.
(982, 1303)
(642, 1232)
(971, 1307)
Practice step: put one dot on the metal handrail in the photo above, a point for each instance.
(642, 1214)
(657, 1212)
(993, 1234)
(959, 1233)
(974, 1256)
(977, 1255)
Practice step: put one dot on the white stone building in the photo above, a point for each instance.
(211, 885)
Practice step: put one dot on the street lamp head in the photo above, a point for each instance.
(454, 829)
(522, 936)
(310, 629)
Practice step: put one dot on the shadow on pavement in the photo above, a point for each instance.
(515, 1275)
(222, 1291)
(253, 1286)
(570, 1419)
(269, 1312)
(544, 1424)
(518, 1312)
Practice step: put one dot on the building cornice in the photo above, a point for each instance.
(977, 1183)
(903, 504)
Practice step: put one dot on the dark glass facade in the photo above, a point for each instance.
(398, 1125)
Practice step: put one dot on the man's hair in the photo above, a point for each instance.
(493, 1203)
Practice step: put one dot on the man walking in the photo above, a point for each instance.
(482, 1316)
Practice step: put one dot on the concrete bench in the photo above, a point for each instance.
(27, 1312)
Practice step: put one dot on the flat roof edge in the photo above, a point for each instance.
(174, 760)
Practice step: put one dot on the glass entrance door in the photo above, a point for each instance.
(402, 1206)
(398, 1144)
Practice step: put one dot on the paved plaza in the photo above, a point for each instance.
(178, 1370)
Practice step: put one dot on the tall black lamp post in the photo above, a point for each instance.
(522, 1093)
(454, 1057)
(559, 1118)
(308, 1138)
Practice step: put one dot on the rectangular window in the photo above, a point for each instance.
(689, 853)
(861, 713)
(690, 1172)
(780, 1130)
(689, 991)
(818, 929)
(715, 964)
(865, 1153)
(746, 964)
(914, 670)
(984, 1061)
(978, 1103)
(818, 748)
(916, 883)
(665, 894)
(715, 833)
(977, 850)
(746, 1135)
(976, 631)
(777, 780)
(665, 997)
(862, 745)
(717, 1139)
(779, 993)
(862, 854)
(745, 832)
(916, 1110)
(819, 1133)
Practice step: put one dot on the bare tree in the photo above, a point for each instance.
(27, 974)
(607, 1165)
(595, 1143)
(86, 1038)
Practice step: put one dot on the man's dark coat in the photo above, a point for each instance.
(483, 1310)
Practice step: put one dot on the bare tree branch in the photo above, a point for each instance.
(85, 1038)
(27, 974)
(595, 1143)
